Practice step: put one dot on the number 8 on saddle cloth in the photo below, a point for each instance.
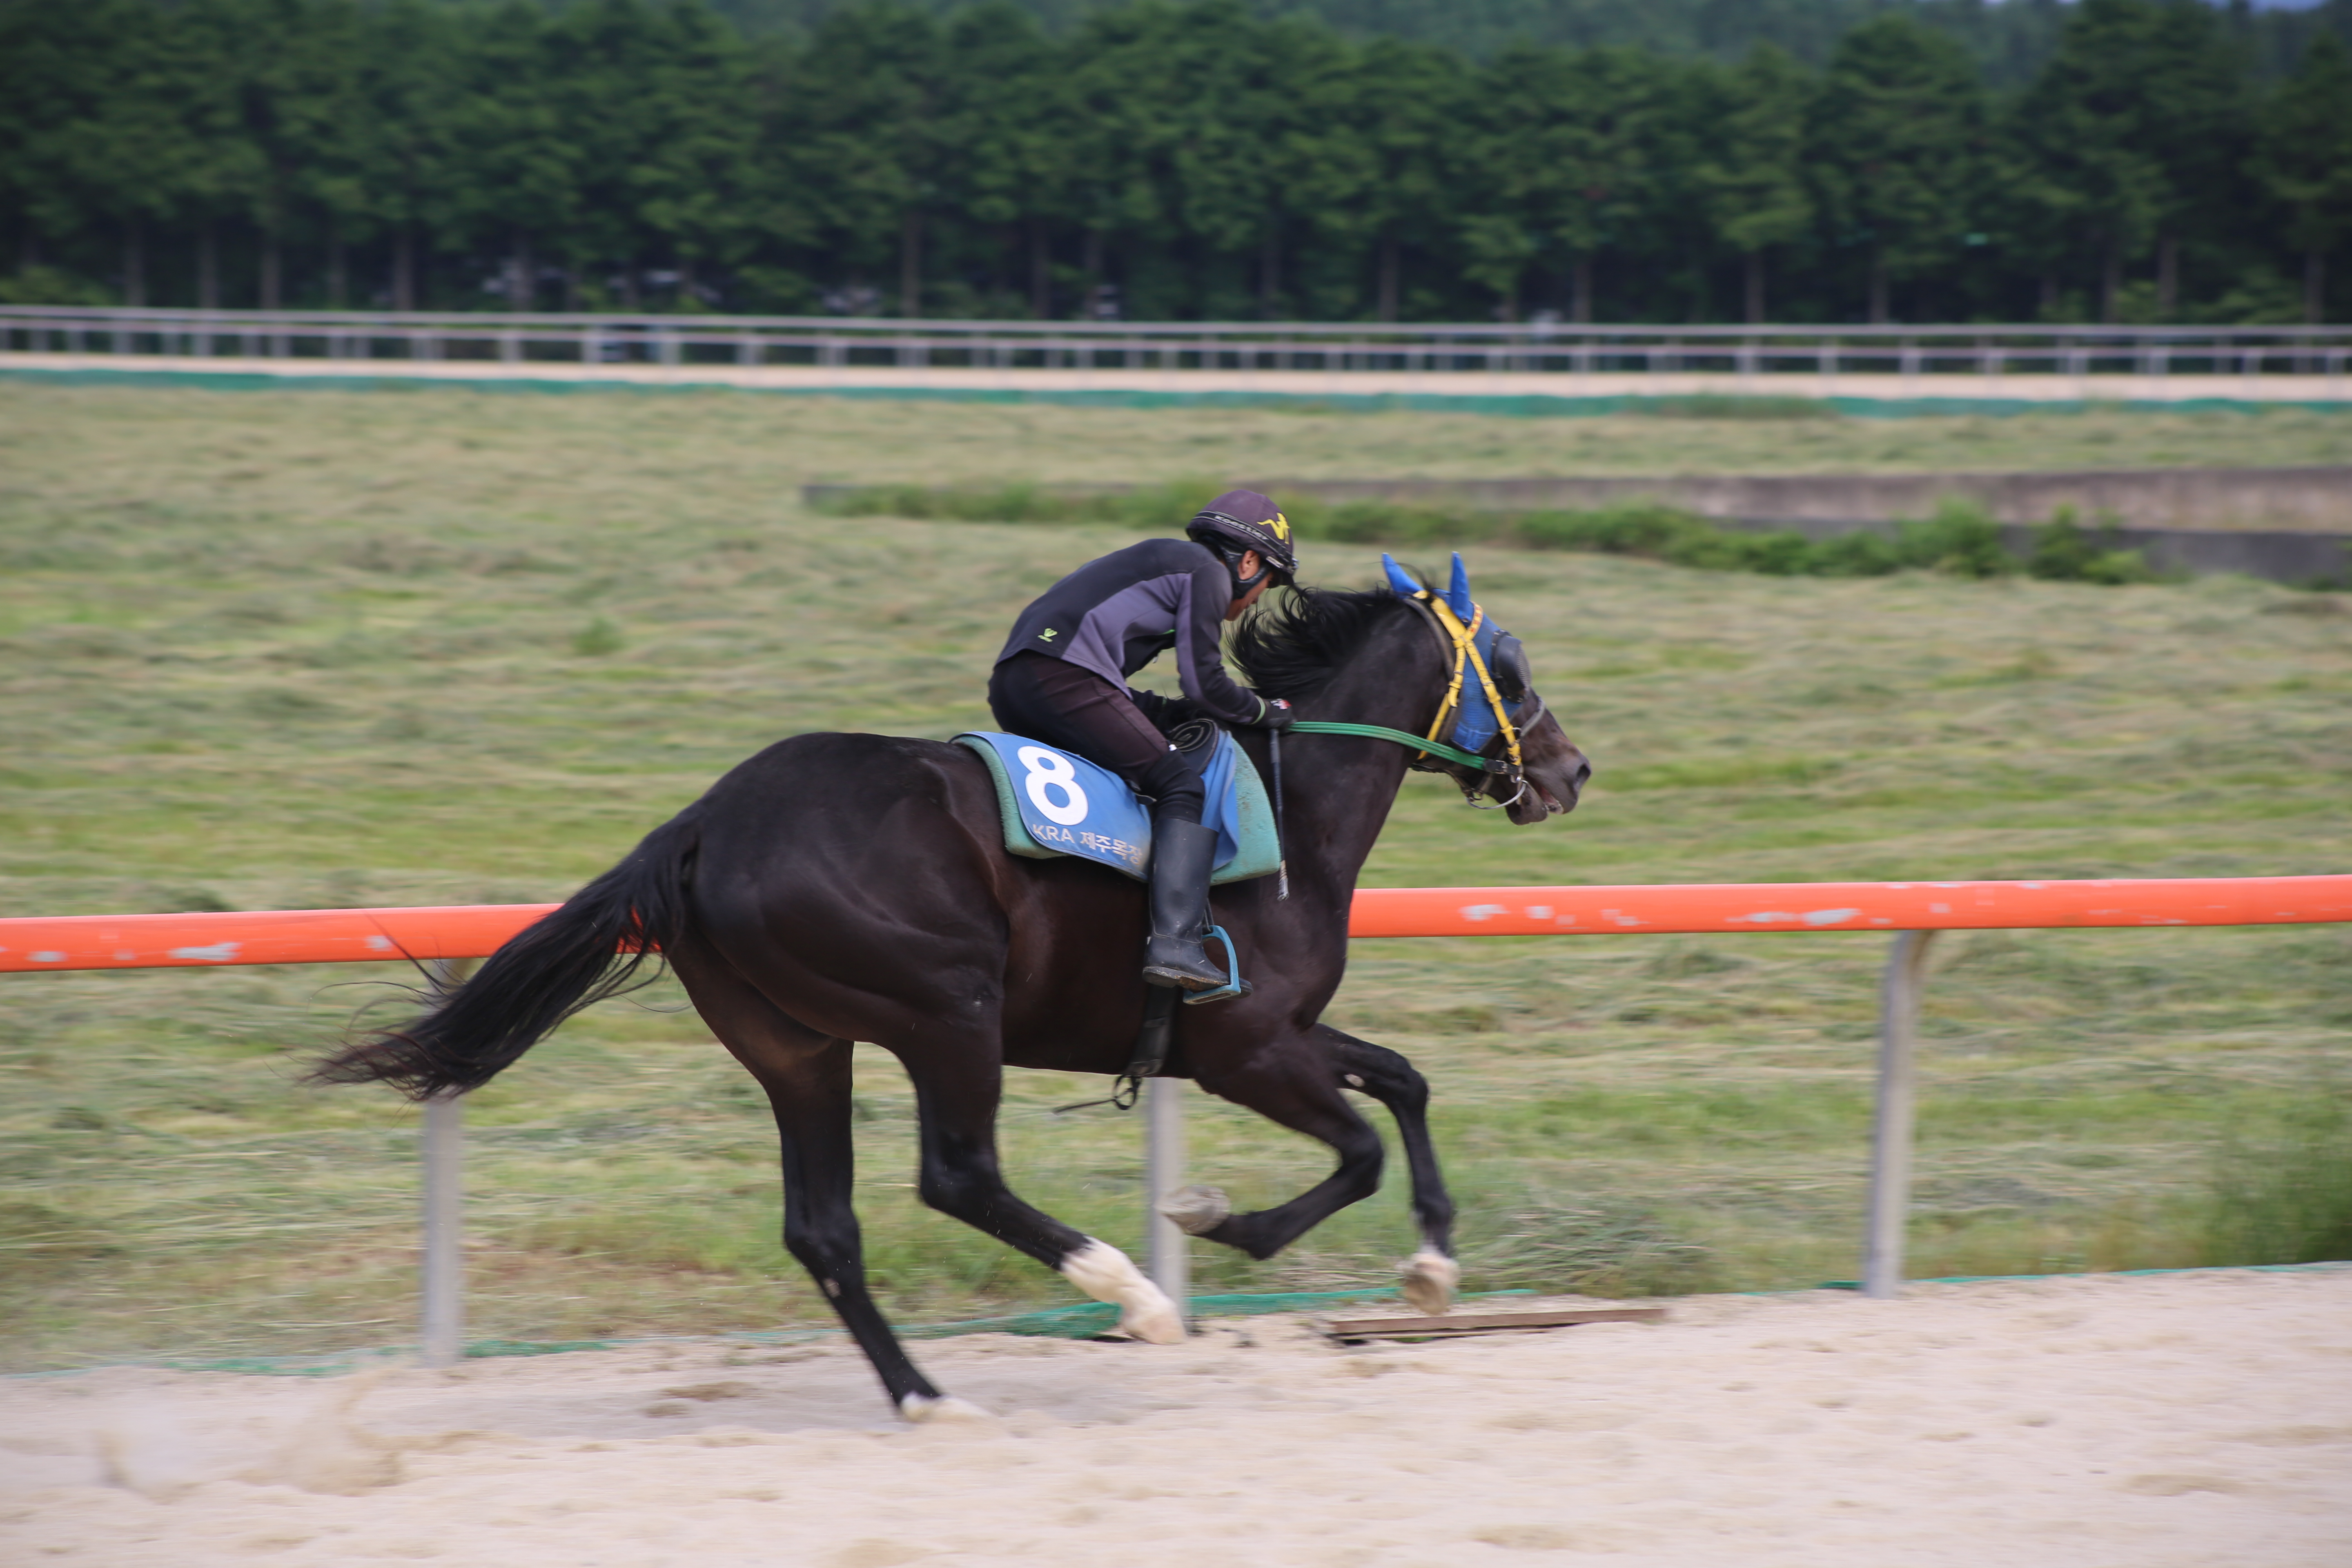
(1054, 803)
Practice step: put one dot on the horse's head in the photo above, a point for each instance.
(1492, 709)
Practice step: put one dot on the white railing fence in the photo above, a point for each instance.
(1562, 348)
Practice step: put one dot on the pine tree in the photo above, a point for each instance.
(515, 172)
(1004, 134)
(2305, 162)
(400, 142)
(1573, 157)
(2131, 140)
(1412, 103)
(1894, 142)
(871, 146)
(1755, 194)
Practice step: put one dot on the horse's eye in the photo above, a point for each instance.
(1513, 674)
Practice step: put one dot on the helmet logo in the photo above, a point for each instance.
(1281, 526)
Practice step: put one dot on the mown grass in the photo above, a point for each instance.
(318, 650)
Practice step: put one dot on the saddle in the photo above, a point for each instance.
(1055, 803)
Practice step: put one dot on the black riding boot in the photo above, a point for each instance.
(1181, 853)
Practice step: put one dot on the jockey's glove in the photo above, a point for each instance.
(1273, 714)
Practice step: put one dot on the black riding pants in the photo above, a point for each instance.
(1054, 700)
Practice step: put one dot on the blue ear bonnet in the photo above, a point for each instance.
(1473, 724)
(1398, 578)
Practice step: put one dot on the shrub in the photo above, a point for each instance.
(1959, 538)
(2063, 552)
(1630, 528)
(1376, 522)
(1779, 554)
(1861, 554)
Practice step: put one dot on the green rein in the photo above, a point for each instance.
(1413, 742)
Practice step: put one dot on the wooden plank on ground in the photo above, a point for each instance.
(1456, 1325)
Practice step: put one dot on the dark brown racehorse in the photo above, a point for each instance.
(838, 888)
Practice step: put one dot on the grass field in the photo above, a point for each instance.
(312, 648)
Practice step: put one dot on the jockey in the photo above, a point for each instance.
(1061, 679)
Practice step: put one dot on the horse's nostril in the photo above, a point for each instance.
(1583, 771)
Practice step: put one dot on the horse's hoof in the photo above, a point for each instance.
(1153, 1322)
(1145, 1312)
(1429, 1278)
(922, 1411)
(1196, 1211)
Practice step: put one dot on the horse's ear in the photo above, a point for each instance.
(1457, 597)
(1398, 578)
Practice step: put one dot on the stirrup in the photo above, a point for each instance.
(1235, 984)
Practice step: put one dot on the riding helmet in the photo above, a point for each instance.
(1240, 520)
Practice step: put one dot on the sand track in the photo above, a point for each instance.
(2200, 1418)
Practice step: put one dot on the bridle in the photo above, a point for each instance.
(1435, 753)
(1461, 641)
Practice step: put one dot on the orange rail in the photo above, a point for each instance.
(342, 936)
(259, 936)
(1729, 907)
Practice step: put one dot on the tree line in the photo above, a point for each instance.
(1157, 160)
(2010, 39)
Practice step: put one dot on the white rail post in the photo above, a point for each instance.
(441, 1309)
(1169, 1262)
(1890, 1148)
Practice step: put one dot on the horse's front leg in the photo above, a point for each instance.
(958, 1084)
(1290, 1082)
(1431, 1274)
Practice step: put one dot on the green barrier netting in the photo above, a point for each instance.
(1086, 1320)
(1532, 406)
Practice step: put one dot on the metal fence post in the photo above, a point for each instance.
(1163, 1172)
(1890, 1146)
(441, 1312)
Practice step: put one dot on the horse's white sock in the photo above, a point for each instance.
(921, 1410)
(1104, 1272)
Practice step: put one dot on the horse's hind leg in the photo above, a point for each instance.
(958, 1084)
(806, 1076)
(1430, 1273)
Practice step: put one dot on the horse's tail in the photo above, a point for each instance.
(590, 948)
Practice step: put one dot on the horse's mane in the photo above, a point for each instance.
(1294, 647)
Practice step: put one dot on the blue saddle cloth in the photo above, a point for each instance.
(1056, 803)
